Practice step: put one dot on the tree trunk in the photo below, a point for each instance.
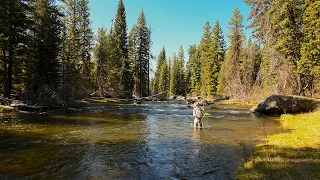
(4, 65)
(301, 85)
(148, 94)
(8, 78)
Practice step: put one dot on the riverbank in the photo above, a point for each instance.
(293, 154)
(245, 103)
(19, 106)
(6, 109)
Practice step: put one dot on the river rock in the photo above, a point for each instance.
(180, 98)
(203, 102)
(172, 97)
(281, 104)
(200, 100)
(192, 100)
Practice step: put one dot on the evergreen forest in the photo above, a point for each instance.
(50, 54)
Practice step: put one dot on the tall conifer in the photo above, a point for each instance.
(142, 63)
(219, 53)
(101, 54)
(121, 38)
(309, 65)
(231, 79)
(195, 65)
(14, 22)
(164, 77)
(207, 61)
(43, 70)
(161, 59)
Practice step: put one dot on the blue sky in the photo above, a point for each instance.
(173, 22)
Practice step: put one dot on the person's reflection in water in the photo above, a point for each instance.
(196, 139)
(196, 135)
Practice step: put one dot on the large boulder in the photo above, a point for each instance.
(280, 104)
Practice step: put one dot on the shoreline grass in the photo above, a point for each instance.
(6, 109)
(228, 102)
(293, 154)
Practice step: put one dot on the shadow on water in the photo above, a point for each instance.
(126, 141)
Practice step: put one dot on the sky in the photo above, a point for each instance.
(173, 22)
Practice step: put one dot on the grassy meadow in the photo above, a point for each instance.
(292, 154)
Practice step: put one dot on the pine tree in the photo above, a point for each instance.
(287, 34)
(277, 25)
(250, 66)
(85, 40)
(207, 61)
(230, 75)
(76, 62)
(187, 75)
(132, 45)
(72, 38)
(164, 77)
(289, 47)
(71, 85)
(259, 17)
(14, 22)
(132, 53)
(195, 64)
(286, 42)
(219, 50)
(177, 81)
(181, 88)
(262, 31)
(122, 57)
(43, 71)
(309, 65)
(161, 59)
(174, 75)
(143, 44)
(101, 57)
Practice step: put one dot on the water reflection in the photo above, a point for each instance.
(196, 135)
(153, 140)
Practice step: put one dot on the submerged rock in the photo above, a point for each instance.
(281, 104)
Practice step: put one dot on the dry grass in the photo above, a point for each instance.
(6, 109)
(294, 154)
(249, 103)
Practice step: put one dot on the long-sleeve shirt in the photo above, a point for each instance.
(198, 113)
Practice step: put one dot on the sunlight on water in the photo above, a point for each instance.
(153, 140)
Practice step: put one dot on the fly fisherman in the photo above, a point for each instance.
(198, 114)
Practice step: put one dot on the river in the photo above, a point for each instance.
(152, 140)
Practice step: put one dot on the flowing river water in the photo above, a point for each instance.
(152, 140)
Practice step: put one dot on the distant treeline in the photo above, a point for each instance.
(281, 56)
(48, 52)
